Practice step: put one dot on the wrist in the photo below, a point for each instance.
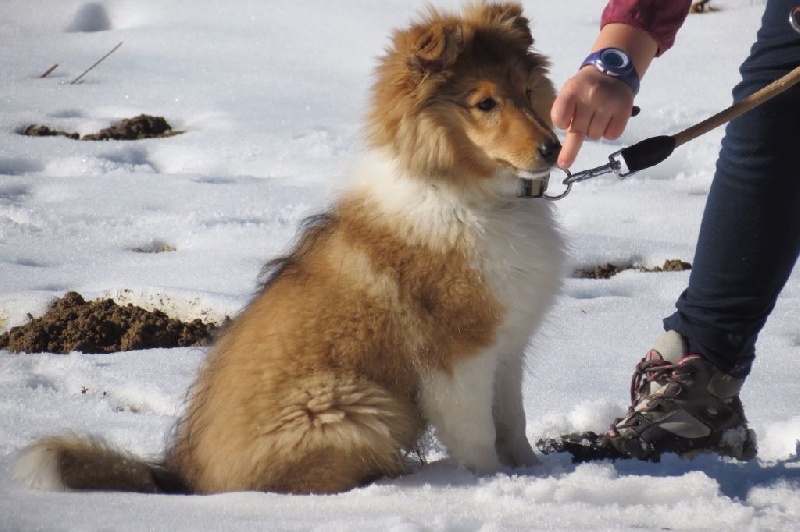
(639, 44)
(616, 63)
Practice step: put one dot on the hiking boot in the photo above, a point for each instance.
(682, 404)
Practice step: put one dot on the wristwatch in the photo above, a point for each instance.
(616, 63)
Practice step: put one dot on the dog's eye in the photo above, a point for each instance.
(487, 104)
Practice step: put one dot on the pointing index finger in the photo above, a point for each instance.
(573, 140)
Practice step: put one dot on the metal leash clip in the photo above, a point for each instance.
(625, 162)
(616, 164)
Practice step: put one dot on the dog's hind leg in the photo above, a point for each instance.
(339, 435)
(321, 434)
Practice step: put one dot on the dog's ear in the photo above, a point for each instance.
(437, 46)
(509, 14)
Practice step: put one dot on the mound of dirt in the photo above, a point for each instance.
(141, 127)
(608, 270)
(102, 326)
(601, 271)
(137, 128)
(44, 131)
(673, 265)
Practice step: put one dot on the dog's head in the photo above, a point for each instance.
(464, 96)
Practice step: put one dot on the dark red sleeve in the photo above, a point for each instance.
(660, 18)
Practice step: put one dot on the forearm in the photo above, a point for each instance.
(661, 19)
(638, 43)
(594, 105)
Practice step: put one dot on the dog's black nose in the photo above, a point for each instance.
(549, 150)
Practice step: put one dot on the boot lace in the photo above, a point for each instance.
(671, 376)
(664, 373)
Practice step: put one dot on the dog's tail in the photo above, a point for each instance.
(61, 463)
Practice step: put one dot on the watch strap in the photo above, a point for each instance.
(627, 73)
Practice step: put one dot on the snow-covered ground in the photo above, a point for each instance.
(270, 96)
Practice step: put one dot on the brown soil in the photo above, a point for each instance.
(140, 127)
(44, 131)
(608, 270)
(155, 247)
(601, 271)
(102, 326)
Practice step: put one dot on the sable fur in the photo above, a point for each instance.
(408, 304)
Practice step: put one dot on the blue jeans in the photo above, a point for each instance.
(750, 234)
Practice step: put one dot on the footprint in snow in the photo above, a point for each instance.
(90, 17)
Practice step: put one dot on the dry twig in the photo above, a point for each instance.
(74, 81)
(49, 71)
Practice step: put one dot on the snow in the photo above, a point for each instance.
(270, 95)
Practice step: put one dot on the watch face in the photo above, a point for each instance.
(615, 59)
(616, 63)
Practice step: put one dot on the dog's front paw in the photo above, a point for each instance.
(517, 454)
(481, 459)
(485, 465)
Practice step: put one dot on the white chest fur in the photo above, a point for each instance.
(516, 245)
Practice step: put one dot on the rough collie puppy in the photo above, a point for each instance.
(409, 303)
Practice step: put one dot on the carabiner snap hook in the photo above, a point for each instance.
(794, 18)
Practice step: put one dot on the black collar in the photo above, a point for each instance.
(532, 188)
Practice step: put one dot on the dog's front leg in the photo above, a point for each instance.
(509, 414)
(459, 406)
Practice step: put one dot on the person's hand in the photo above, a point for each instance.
(590, 104)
